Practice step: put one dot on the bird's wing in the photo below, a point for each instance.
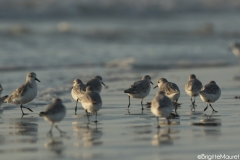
(169, 88)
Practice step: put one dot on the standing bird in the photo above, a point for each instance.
(170, 89)
(54, 113)
(192, 88)
(139, 89)
(25, 93)
(2, 99)
(78, 90)
(210, 93)
(91, 102)
(96, 84)
(1, 89)
(161, 106)
(235, 49)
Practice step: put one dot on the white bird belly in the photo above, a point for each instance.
(192, 93)
(139, 95)
(209, 97)
(74, 95)
(92, 108)
(28, 96)
(52, 118)
(162, 112)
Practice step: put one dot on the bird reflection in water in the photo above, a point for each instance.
(134, 114)
(163, 136)
(89, 136)
(55, 144)
(208, 120)
(210, 126)
(25, 127)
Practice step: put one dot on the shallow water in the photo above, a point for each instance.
(120, 133)
(179, 40)
(63, 44)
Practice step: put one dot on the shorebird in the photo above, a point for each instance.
(78, 90)
(139, 89)
(161, 106)
(1, 89)
(54, 113)
(235, 49)
(210, 93)
(91, 102)
(170, 89)
(2, 99)
(25, 93)
(192, 88)
(96, 83)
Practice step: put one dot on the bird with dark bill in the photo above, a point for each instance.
(139, 89)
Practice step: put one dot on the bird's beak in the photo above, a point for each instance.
(155, 86)
(37, 79)
(151, 82)
(103, 83)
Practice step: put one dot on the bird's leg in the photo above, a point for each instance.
(87, 114)
(22, 110)
(158, 126)
(206, 107)
(176, 107)
(129, 101)
(193, 104)
(142, 104)
(191, 99)
(175, 110)
(61, 132)
(96, 118)
(167, 118)
(26, 108)
(76, 107)
(212, 108)
(50, 131)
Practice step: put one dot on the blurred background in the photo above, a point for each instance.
(121, 40)
(126, 34)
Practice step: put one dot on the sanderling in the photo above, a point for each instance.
(96, 84)
(2, 99)
(192, 88)
(210, 93)
(54, 113)
(1, 89)
(91, 102)
(161, 106)
(139, 89)
(170, 89)
(25, 93)
(78, 90)
(235, 49)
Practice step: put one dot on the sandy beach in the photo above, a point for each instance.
(122, 133)
(121, 41)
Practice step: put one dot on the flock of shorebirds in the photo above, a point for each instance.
(88, 95)
(168, 94)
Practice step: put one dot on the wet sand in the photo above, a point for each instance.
(121, 133)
